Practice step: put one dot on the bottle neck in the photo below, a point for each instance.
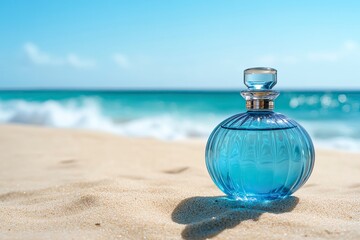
(258, 100)
(259, 105)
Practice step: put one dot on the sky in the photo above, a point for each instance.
(178, 44)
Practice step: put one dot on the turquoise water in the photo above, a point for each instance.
(331, 118)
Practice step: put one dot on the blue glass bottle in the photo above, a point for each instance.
(259, 155)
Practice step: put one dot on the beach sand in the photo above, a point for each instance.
(71, 184)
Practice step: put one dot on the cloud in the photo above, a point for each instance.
(38, 57)
(267, 59)
(345, 50)
(350, 45)
(276, 59)
(323, 56)
(121, 60)
(75, 61)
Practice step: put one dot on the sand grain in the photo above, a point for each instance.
(70, 184)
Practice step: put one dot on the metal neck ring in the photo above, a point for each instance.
(259, 104)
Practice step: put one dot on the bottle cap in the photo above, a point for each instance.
(260, 81)
(260, 78)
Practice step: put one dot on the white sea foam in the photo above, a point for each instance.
(341, 143)
(87, 113)
(55, 114)
(334, 134)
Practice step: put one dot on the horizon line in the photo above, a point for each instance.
(109, 89)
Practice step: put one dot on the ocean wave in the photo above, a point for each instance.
(339, 143)
(88, 113)
(344, 135)
(55, 114)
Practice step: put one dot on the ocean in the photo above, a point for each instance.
(332, 118)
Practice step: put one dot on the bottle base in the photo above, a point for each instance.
(258, 197)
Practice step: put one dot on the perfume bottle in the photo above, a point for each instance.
(260, 154)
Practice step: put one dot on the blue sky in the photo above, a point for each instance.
(178, 44)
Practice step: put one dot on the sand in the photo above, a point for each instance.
(71, 184)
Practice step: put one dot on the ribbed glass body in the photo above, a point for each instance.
(259, 155)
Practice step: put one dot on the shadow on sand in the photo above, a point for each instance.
(206, 217)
